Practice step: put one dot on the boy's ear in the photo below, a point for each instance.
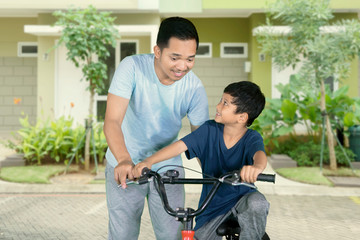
(243, 118)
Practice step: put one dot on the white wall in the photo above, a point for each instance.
(69, 88)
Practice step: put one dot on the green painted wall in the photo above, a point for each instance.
(183, 6)
(217, 30)
(234, 4)
(46, 19)
(260, 4)
(353, 80)
(260, 71)
(132, 19)
(12, 32)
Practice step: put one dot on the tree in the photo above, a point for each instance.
(324, 50)
(85, 34)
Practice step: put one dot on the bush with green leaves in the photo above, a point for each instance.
(55, 141)
(86, 34)
(298, 104)
(307, 153)
(307, 43)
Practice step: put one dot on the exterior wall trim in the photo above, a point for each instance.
(129, 30)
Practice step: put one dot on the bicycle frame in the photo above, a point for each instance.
(187, 215)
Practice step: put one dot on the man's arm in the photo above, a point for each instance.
(249, 173)
(114, 116)
(165, 153)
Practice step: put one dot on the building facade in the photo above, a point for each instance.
(41, 83)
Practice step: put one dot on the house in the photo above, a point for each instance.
(41, 83)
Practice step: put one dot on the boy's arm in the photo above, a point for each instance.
(249, 173)
(165, 153)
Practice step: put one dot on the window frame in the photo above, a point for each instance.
(223, 45)
(22, 44)
(207, 55)
(117, 62)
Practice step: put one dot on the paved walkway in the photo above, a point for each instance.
(78, 211)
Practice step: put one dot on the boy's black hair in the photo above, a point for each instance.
(248, 98)
(178, 27)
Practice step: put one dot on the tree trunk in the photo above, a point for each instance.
(89, 123)
(329, 134)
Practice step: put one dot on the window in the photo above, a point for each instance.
(27, 49)
(128, 48)
(233, 50)
(123, 49)
(204, 50)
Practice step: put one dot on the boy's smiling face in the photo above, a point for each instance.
(225, 110)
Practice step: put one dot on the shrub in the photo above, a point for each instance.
(55, 141)
(307, 153)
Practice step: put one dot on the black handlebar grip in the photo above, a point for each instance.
(266, 177)
(144, 178)
(145, 171)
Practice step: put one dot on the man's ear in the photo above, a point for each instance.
(157, 51)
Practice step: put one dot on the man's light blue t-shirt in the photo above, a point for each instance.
(153, 117)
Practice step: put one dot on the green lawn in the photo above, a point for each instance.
(30, 174)
(37, 174)
(313, 175)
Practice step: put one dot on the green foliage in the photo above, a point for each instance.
(307, 153)
(55, 141)
(323, 53)
(30, 174)
(100, 142)
(86, 33)
(323, 49)
(60, 138)
(298, 104)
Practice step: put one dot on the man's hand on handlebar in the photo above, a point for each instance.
(137, 170)
(123, 171)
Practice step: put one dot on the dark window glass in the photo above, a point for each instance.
(29, 49)
(127, 49)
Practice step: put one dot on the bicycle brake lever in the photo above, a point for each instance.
(234, 181)
(245, 184)
(138, 181)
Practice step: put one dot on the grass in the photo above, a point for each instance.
(313, 175)
(37, 174)
(30, 174)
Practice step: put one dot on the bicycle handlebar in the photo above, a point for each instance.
(232, 178)
(266, 177)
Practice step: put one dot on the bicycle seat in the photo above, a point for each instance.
(229, 227)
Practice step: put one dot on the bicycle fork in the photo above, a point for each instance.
(186, 217)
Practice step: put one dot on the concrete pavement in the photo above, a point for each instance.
(78, 211)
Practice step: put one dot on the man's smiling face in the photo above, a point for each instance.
(174, 61)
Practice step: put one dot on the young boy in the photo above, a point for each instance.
(223, 145)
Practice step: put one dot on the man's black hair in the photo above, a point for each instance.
(248, 98)
(178, 27)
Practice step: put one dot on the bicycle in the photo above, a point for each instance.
(229, 228)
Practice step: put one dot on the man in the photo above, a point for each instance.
(148, 97)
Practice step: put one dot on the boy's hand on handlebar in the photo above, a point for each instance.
(123, 171)
(249, 173)
(137, 170)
